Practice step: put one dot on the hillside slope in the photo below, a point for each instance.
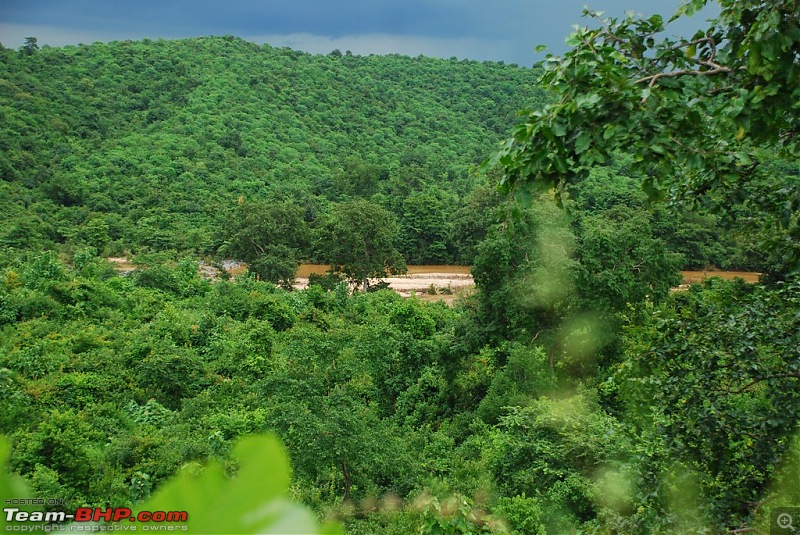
(148, 145)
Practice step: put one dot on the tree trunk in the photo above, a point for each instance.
(346, 473)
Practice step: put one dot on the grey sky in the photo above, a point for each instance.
(505, 30)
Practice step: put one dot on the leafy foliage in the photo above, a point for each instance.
(269, 237)
(574, 390)
(701, 116)
(153, 145)
(359, 241)
(720, 369)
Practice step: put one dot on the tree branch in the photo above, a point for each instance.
(758, 380)
(715, 69)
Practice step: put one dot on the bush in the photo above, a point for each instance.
(410, 316)
(524, 514)
(171, 373)
(278, 265)
(328, 281)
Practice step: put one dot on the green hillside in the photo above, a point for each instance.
(149, 145)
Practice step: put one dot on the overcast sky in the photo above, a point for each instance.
(507, 30)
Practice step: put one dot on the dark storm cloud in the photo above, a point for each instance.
(311, 16)
(479, 29)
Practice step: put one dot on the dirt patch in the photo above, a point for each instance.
(693, 277)
(121, 265)
(429, 283)
(700, 276)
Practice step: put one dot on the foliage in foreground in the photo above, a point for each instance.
(389, 407)
(252, 501)
(703, 117)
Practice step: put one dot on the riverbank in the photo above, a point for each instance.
(429, 282)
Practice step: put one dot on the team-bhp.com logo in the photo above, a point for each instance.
(54, 520)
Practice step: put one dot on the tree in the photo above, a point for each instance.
(700, 115)
(358, 240)
(30, 47)
(551, 448)
(277, 264)
(714, 375)
(525, 273)
(322, 401)
(359, 178)
(425, 228)
(269, 237)
(621, 263)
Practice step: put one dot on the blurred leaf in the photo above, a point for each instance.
(10, 486)
(252, 502)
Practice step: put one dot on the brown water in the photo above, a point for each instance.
(690, 277)
(304, 270)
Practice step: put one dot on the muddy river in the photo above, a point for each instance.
(433, 282)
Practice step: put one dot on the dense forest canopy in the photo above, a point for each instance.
(573, 391)
(148, 145)
(137, 147)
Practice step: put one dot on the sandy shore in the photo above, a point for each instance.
(424, 282)
(431, 283)
(421, 282)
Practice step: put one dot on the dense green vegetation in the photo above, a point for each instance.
(573, 391)
(147, 146)
(709, 120)
(194, 146)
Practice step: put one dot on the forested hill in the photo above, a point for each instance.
(150, 144)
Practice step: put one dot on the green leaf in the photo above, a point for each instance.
(588, 100)
(582, 142)
(561, 163)
(523, 196)
(573, 40)
(10, 486)
(252, 502)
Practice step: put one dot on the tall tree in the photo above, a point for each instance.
(268, 236)
(358, 239)
(425, 228)
(30, 47)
